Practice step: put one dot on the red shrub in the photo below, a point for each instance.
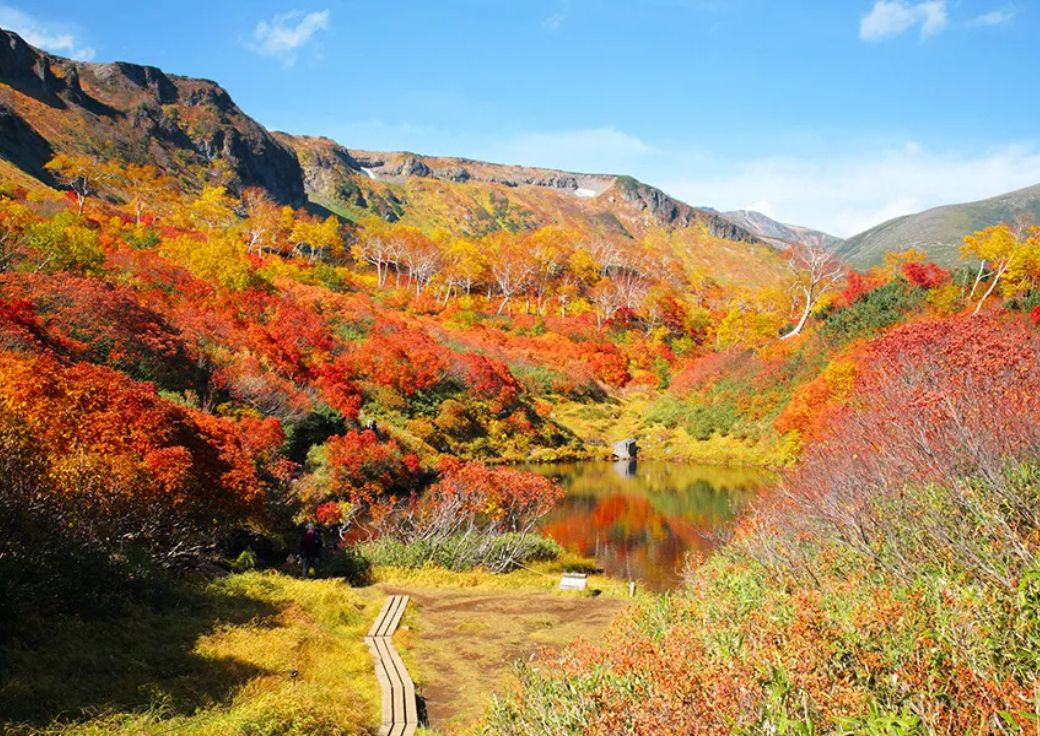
(365, 468)
(856, 286)
(489, 379)
(925, 275)
(187, 461)
(402, 358)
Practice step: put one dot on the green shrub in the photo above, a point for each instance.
(246, 560)
(427, 402)
(316, 427)
(142, 239)
(705, 420)
(1024, 302)
(348, 563)
(463, 552)
(354, 330)
(873, 312)
(668, 411)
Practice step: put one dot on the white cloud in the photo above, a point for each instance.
(848, 194)
(284, 34)
(995, 17)
(935, 19)
(891, 18)
(553, 22)
(54, 37)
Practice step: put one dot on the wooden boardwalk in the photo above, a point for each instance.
(400, 710)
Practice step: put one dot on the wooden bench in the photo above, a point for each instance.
(400, 714)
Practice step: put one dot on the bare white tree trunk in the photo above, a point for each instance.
(992, 286)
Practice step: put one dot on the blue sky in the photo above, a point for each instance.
(835, 114)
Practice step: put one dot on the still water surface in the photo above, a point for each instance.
(639, 519)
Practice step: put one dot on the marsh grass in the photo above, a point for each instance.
(219, 661)
(660, 423)
(541, 577)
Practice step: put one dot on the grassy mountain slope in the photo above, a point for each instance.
(939, 231)
(473, 198)
(515, 197)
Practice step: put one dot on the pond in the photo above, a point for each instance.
(640, 519)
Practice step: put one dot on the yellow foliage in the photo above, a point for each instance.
(747, 327)
(840, 377)
(217, 259)
(824, 303)
(583, 265)
(994, 244)
(1023, 271)
(946, 299)
(321, 236)
(580, 306)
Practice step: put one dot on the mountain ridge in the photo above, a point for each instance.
(320, 155)
(51, 104)
(938, 231)
(780, 234)
(139, 113)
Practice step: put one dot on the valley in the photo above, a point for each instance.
(252, 382)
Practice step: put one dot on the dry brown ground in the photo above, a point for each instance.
(460, 645)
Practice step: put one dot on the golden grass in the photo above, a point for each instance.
(218, 664)
(219, 661)
(603, 424)
(463, 631)
(539, 577)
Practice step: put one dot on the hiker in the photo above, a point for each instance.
(310, 548)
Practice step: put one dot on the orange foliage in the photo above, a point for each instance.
(153, 449)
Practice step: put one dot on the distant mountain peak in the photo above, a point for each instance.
(779, 234)
(623, 203)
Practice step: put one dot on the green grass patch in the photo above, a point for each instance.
(461, 552)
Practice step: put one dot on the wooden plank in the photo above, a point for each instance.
(382, 614)
(396, 683)
(393, 615)
(385, 688)
(395, 619)
(411, 714)
(400, 714)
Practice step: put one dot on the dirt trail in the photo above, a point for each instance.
(463, 642)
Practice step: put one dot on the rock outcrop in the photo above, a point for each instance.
(140, 113)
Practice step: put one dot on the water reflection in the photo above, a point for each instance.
(639, 519)
(625, 468)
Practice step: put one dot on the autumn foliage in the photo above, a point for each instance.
(365, 468)
(892, 585)
(185, 365)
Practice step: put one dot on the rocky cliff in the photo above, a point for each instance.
(49, 104)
